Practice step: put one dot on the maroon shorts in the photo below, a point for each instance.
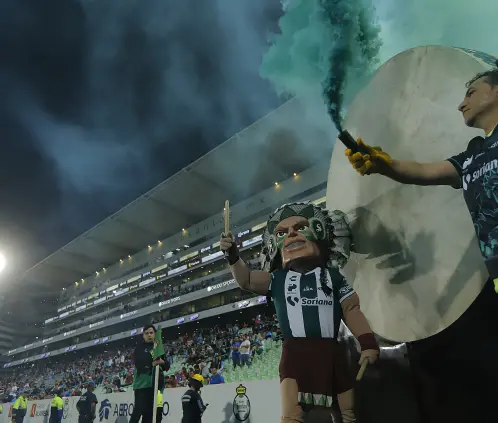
(320, 367)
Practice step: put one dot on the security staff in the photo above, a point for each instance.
(192, 404)
(143, 378)
(159, 415)
(19, 408)
(87, 404)
(56, 407)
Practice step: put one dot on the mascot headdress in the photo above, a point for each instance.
(330, 230)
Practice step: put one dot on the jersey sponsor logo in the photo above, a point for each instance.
(293, 301)
(477, 174)
(316, 302)
(308, 288)
(292, 288)
(467, 162)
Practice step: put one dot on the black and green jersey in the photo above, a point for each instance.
(303, 309)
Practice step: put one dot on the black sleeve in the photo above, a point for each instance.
(94, 399)
(200, 403)
(458, 160)
(340, 286)
(143, 360)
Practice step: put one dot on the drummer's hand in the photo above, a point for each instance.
(370, 355)
(369, 159)
(158, 362)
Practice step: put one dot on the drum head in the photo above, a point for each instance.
(417, 266)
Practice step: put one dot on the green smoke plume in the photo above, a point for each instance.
(323, 43)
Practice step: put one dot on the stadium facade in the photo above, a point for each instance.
(7, 337)
(158, 260)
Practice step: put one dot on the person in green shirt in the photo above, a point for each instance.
(144, 376)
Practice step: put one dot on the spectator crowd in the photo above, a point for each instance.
(204, 351)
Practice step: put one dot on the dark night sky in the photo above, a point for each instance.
(102, 100)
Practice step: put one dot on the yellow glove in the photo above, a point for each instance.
(369, 159)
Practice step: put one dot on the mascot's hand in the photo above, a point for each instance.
(369, 159)
(227, 241)
(369, 355)
(229, 248)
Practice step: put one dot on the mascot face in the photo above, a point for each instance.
(298, 231)
(295, 240)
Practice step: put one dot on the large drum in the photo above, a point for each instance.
(417, 266)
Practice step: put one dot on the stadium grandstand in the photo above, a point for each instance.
(158, 261)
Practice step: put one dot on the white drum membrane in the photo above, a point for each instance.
(417, 265)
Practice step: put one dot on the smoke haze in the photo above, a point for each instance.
(113, 96)
(297, 58)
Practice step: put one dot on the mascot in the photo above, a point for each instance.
(303, 248)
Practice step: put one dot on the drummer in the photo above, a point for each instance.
(474, 170)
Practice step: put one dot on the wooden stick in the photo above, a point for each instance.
(156, 388)
(362, 369)
(227, 217)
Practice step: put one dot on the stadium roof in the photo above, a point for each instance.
(270, 150)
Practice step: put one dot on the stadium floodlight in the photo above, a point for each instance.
(3, 262)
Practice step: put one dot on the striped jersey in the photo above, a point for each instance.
(303, 309)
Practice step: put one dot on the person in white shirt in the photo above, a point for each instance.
(245, 350)
(204, 370)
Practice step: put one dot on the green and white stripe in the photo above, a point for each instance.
(303, 309)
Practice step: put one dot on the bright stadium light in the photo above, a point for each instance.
(3, 262)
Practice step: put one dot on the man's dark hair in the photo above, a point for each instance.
(490, 75)
(148, 327)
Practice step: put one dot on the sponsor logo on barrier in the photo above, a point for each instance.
(65, 409)
(243, 304)
(38, 411)
(165, 408)
(241, 404)
(220, 285)
(108, 410)
(93, 325)
(104, 410)
(171, 300)
(131, 313)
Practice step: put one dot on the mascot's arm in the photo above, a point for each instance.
(254, 281)
(357, 323)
